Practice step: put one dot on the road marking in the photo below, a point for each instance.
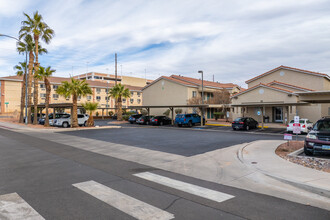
(12, 206)
(186, 187)
(136, 208)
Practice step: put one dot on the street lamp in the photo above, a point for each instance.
(26, 75)
(202, 118)
(107, 99)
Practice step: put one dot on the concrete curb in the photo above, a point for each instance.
(297, 152)
(219, 125)
(302, 185)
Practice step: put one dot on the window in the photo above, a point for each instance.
(106, 90)
(139, 101)
(42, 86)
(98, 90)
(55, 87)
(194, 94)
(124, 100)
(138, 93)
(107, 98)
(132, 100)
(97, 77)
(43, 95)
(107, 106)
(89, 97)
(79, 97)
(98, 98)
(55, 96)
(132, 93)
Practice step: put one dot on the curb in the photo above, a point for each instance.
(219, 125)
(297, 152)
(301, 185)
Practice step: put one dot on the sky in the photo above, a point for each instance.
(230, 40)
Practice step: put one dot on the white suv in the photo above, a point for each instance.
(65, 120)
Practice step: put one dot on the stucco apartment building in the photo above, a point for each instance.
(10, 88)
(277, 95)
(177, 90)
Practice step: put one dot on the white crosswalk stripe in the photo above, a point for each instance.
(186, 187)
(12, 206)
(129, 205)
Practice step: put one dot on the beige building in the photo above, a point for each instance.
(126, 80)
(10, 88)
(276, 96)
(177, 90)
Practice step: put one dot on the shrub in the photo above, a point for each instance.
(144, 112)
(167, 112)
(111, 113)
(178, 111)
(218, 115)
(97, 114)
(125, 117)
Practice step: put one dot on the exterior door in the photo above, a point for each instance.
(278, 114)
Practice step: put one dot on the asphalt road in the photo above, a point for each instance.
(42, 173)
(181, 141)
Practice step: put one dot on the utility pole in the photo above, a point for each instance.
(202, 117)
(213, 77)
(115, 68)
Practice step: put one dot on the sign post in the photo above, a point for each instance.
(296, 129)
(288, 137)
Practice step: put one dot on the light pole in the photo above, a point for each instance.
(202, 117)
(26, 75)
(107, 93)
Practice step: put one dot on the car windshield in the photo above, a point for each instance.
(239, 119)
(180, 116)
(322, 125)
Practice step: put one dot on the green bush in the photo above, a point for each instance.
(144, 112)
(111, 113)
(97, 114)
(178, 111)
(167, 112)
(218, 115)
(125, 117)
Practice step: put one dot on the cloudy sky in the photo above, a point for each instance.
(232, 40)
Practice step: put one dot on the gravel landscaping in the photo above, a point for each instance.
(285, 149)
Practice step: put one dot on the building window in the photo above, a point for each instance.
(107, 106)
(79, 97)
(194, 94)
(55, 87)
(107, 98)
(132, 100)
(43, 95)
(97, 77)
(124, 100)
(98, 98)
(138, 93)
(98, 90)
(42, 86)
(132, 93)
(55, 96)
(89, 97)
(139, 101)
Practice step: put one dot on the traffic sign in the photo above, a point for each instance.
(287, 136)
(296, 119)
(6, 103)
(296, 129)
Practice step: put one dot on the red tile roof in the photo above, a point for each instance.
(288, 68)
(289, 85)
(195, 81)
(264, 85)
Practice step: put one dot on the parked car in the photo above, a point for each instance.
(188, 119)
(65, 120)
(245, 123)
(318, 138)
(304, 125)
(57, 115)
(132, 118)
(161, 120)
(38, 117)
(144, 120)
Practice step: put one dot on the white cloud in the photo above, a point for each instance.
(234, 40)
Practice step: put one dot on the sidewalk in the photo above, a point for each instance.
(260, 155)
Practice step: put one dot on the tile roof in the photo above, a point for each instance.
(263, 85)
(289, 85)
(195, 81)
(58, 80)
(288, 68)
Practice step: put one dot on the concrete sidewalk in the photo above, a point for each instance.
(260, 155)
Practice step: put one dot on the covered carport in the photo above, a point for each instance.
(172, 107)
(263, 106)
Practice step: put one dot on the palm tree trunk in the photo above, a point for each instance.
(120, 109)
(74, 111)
(21, 116)
(30, 66)
(47, 85)
(36, 68)
(90, 121)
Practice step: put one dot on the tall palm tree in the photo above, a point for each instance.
(39, 29)
(74, 88)
(20, 71)
(118, 92)
(90, 107)
(45, 73)
(28, 44)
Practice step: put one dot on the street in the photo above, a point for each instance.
(50, 177)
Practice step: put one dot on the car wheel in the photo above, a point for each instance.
(180, 125)
(189, 124)
(65, 124)
(85, 123)
(131, 122)
(307, 152)
(247, 128)
(234, 129)
(161, 123)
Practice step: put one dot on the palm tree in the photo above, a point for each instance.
(45, 73)
(118, 92)
(90, 107)
(39, 29)
(20, 72)
(74, 88)
(28, 44)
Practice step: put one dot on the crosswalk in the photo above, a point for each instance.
(12, 206)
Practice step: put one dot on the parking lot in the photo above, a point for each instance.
(181, 141)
